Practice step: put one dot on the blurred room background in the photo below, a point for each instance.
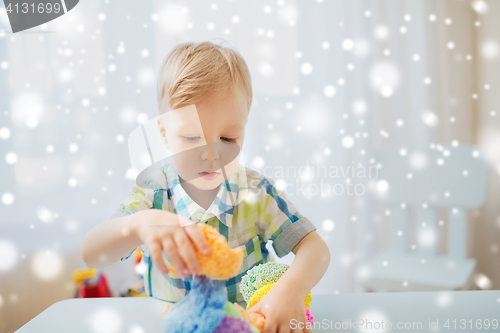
(334, 82)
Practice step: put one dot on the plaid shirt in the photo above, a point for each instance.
(248, 210)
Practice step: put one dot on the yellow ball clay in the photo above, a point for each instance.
(257, 296)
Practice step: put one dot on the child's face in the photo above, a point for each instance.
(219, 121)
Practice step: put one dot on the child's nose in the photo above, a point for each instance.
(213, 150)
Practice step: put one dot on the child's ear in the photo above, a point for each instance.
(163, 132)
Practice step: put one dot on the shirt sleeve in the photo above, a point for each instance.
(139, 199)
(279, 219)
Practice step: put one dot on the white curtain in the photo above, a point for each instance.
(401, 75)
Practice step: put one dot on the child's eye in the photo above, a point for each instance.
(228, 139)
(191, 138)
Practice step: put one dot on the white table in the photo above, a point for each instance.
(130, 314)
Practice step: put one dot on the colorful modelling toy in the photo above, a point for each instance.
(205, 309)
(90, 283)
(222, 262)
(257, 282)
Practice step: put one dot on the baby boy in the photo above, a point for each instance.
(204, 98)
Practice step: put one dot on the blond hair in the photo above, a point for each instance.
(193, 72)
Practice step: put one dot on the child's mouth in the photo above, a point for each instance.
(209, 175)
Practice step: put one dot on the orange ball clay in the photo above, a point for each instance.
(257, 320)
(254, 318)
(223, 262)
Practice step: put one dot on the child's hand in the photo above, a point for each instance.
(284, 311)
(164, 231)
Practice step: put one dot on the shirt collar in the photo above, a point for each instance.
(231, 192)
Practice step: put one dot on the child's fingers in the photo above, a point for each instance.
(173, 256)
(156, 254)
(271, 326)
(307, 329)
(285, 328)
(302, 325)
(197, 237)
(185, 247)
(184, 222)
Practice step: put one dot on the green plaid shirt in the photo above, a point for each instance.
(248, 210)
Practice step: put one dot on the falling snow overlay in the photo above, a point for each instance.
(335, 84)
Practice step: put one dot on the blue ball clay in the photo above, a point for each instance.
(200, 311)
